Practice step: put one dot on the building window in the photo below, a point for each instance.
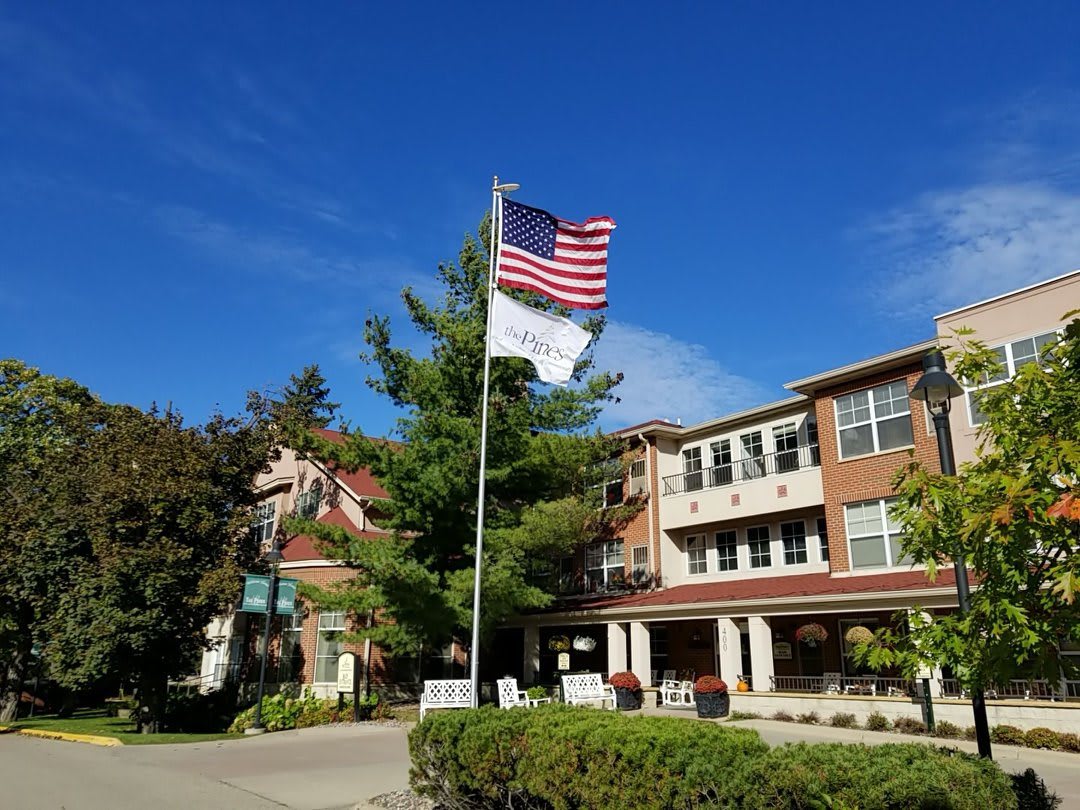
(793, 536)
(722, 472)
(757, 543)
(874, 537)
(812, 440)
(307, 503)
(1011, 357)
(727, 551)
(786, 444)
(823, 539)
(604, 567)
(609, 491)
(658, 646)
(874, 420)
(566, 575)
(638, 484)
(753, 453)
(691, 465)
(262, 524)
(697, 562)
(291, 658)
(329, 646)
(639, 561)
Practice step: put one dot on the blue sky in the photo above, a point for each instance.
(198, 199)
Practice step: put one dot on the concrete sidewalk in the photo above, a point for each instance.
(1060, 770)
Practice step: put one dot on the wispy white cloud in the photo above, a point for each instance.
(283, 254)
(667, 378)
(954, 247)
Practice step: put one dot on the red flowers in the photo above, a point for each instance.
(709, 684)
(625, 680)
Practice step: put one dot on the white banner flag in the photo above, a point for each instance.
(552, 343)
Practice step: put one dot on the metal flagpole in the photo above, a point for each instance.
(474, 650)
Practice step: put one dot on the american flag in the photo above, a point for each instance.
(563, 260)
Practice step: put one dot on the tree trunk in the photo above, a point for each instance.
(152, 694)
(14, 674)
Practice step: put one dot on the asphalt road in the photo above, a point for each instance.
(313, 769)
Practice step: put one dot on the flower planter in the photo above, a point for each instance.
(629, 699)
(712, 704)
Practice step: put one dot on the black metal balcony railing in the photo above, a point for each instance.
(747, 469)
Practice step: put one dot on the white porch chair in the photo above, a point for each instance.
(510, 695)
(830, 682)
(669, 674)
(677, 693)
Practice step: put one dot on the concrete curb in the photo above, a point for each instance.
(92, 739)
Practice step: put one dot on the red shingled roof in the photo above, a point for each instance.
(302, 546)
(362, 482)
(774, 588)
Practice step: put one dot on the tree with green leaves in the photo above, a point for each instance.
(1008, 514)
(540, 467)
(303, 402)
(43, 420)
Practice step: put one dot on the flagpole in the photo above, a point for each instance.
(474, 650)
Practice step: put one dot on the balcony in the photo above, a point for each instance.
(748, 469)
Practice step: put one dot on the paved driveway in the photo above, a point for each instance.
(312, 769)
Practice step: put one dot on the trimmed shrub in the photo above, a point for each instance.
(1070, 742)
(280, 713)
(835, 775)
(783, 717)
(536, 692)
(969, 733)
(562, 757)
(877, 722)
(565, 756)
(1007, 735)
(809, 718)
(843, 720)
(944, 728)
(1032, 793)
(1043, 738)
(909, 725)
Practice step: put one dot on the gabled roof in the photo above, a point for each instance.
(362, 482)
(302, 546)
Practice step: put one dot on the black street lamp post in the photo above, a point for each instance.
(274, 557)
(936, 388)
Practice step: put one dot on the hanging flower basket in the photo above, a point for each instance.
(811, 634)
(584, 643)
(859, 635)
(559, 644)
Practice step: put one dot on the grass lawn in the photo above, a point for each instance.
(96, 721)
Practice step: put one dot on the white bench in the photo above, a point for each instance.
(677, 693)
(455, 694)
(587, 688)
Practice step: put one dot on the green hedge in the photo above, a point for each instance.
(564, 757)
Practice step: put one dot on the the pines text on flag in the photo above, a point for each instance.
(566, 261)
(553, 344)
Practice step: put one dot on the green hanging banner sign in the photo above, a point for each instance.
(256, 589)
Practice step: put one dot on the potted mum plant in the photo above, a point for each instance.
(627, 690)
(711, 697)
(811, 634)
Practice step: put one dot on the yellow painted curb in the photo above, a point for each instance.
(92, 739)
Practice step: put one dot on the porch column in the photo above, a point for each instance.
(532, 652)
(761, 660)
(616, 648)
(640, 651)
(729, 651)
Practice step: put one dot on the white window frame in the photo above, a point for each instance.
(611, 487)
(692, 462)
(794, 550)
(874, 420)
(722, 470)
(727, 560)
(886, 534)
(602, 549)
(697, 555)
(751, 555)
(822, 526)
(309, 502)
(638, 477)
(639, 563)
(331, 621)
(1009, 369)
(292, 629)
(753, 466)
(263, 520)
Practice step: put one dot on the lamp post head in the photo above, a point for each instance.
(274, 555)
(506, 188)
(936, 387)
